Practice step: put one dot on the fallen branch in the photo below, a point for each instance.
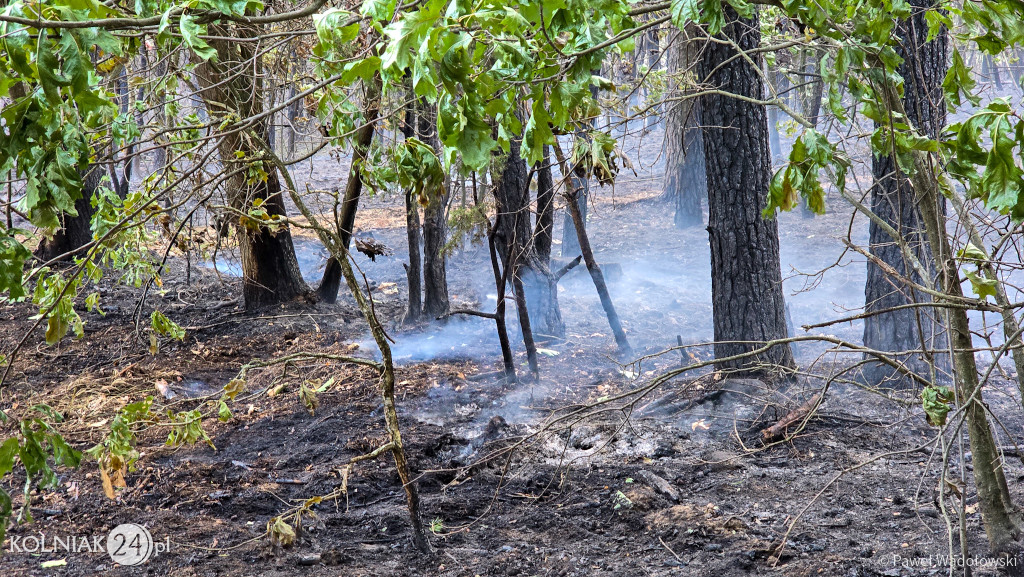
(779, 429)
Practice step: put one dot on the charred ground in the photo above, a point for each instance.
(679, 485)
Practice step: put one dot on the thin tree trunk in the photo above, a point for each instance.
(570, 242)
(413, 270)
(598, 276)
(1002, 519)
(746, 278)
(328, 289)
(500, 282)
(542, 233)
(541, 285)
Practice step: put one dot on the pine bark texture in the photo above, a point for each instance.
(435, 229)
(746, 279)
(893, 200)
(685, 182)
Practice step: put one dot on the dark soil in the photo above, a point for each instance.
(679, 485)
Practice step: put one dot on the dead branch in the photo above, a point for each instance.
(797, 415)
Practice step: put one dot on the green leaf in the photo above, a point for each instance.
(190, 31)
(223, 412)
(937, 402)
(983, 287)
(12, 265)
(166, 327)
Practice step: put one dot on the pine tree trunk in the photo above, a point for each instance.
(746, 279)
(413, 270)
(893, 199)
(435, 229)
(685, 181)
(542, 234)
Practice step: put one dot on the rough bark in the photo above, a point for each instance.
(685, 182)
(435, 277)
(893, 200)
(746, 279)
(542, 233)
(413, 270)
(270, 271)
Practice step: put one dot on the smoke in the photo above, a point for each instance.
(311, 254)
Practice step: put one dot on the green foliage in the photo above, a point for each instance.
(164, 326)
(937, 402)
(799, 178)
(116, 454)
(55, 292)
(36, 445)
(187, 428)
(56, 102)
(990, 173)
(13, 255)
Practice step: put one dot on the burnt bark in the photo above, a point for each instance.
(512, 236)
(270, 271)
(328, 289)
(893, 199)
(685, 182)
(76, 230)
(413, 270)
(435, 227)
(542, 233)
(746, 279)
(597, 275)
(570, 241)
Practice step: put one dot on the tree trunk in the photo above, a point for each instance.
(598, 276)
(75, 231)
(541, 285)
(413, 270)
(435, 223)
(328, 289)
(746, 279)
(685, 181)
(542, 233)
(570, 241)
(270, 271)
(512, 236)
(893, 199)
(1002, 519)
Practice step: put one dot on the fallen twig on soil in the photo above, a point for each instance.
(780, 429)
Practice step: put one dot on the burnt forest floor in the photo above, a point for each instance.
(680, 485)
